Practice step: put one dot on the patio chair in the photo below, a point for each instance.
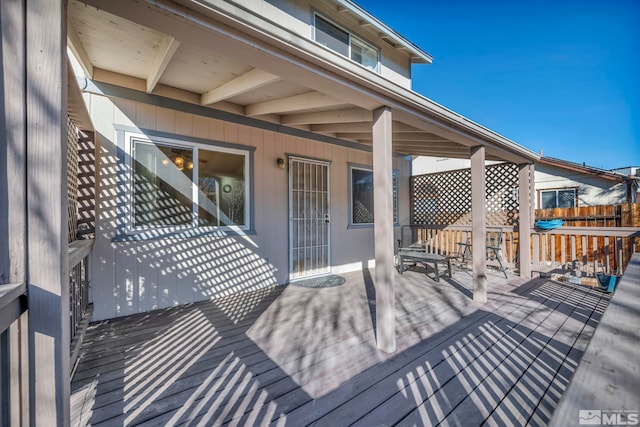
(494, 249)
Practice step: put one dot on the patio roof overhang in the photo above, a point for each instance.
(220, 55)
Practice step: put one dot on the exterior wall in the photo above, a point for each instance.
(137, 276)
(297, 16)
(591, 190)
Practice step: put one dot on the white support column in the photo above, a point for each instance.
(383, 226)
(478, 224)
(525, 184)
(47, 260)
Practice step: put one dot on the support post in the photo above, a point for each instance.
(13, 208)
(525, 183)
(47, 253)
(383, 227)
(478, 224)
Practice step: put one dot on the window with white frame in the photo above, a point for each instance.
(335, 38)
(361, 195)
(178, 184)
(565, 198)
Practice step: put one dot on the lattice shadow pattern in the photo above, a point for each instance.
(445, 197)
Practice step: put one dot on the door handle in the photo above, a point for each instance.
(326, 218)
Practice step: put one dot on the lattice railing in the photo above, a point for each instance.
(445, 197)
(441, 202)
(72, 178)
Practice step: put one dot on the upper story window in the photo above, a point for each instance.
(182, 184)
(345, 43)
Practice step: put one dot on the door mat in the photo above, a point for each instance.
(328, 281)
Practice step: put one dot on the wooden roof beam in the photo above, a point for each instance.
(397, 136)
(166, 50)
(358, 127)
(337, 116)
(292, 103)
(247, 82)
(76, 46)
(432, 153)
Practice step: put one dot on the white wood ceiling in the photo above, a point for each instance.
(122, 47)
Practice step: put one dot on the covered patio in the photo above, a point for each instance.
(208, 71)
(298, 356)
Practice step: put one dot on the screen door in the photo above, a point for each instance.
(308, 217)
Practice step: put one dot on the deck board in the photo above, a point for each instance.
(608, 379)
(295, 356)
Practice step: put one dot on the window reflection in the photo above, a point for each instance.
(163, 186)
(221, 183)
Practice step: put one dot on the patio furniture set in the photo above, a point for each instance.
(413, 250)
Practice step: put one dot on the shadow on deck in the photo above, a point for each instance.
(298, 356)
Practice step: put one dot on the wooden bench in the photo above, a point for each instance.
(424, 258)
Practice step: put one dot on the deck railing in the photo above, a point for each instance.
(586, 249)
(589, 250)
(13, 303)
(79, 307)
(450, 240)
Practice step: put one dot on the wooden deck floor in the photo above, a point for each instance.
(296, 356)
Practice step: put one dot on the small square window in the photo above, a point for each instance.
(361, 189)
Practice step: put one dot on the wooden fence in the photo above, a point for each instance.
(593, 238)
(623, 215)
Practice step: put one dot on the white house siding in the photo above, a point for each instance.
(137, 276)
(425, 165)
(592, 190)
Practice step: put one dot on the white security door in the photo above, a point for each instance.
(308, 217)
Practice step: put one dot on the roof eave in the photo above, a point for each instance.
(418, 56)
(565, 164)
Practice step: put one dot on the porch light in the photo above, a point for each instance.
(189, 164)
(280, 162)
(179, 161)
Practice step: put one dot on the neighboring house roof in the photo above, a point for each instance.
(583, 168)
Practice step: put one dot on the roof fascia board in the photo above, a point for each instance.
(563, 164)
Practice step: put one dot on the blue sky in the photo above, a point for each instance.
(562, 76)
